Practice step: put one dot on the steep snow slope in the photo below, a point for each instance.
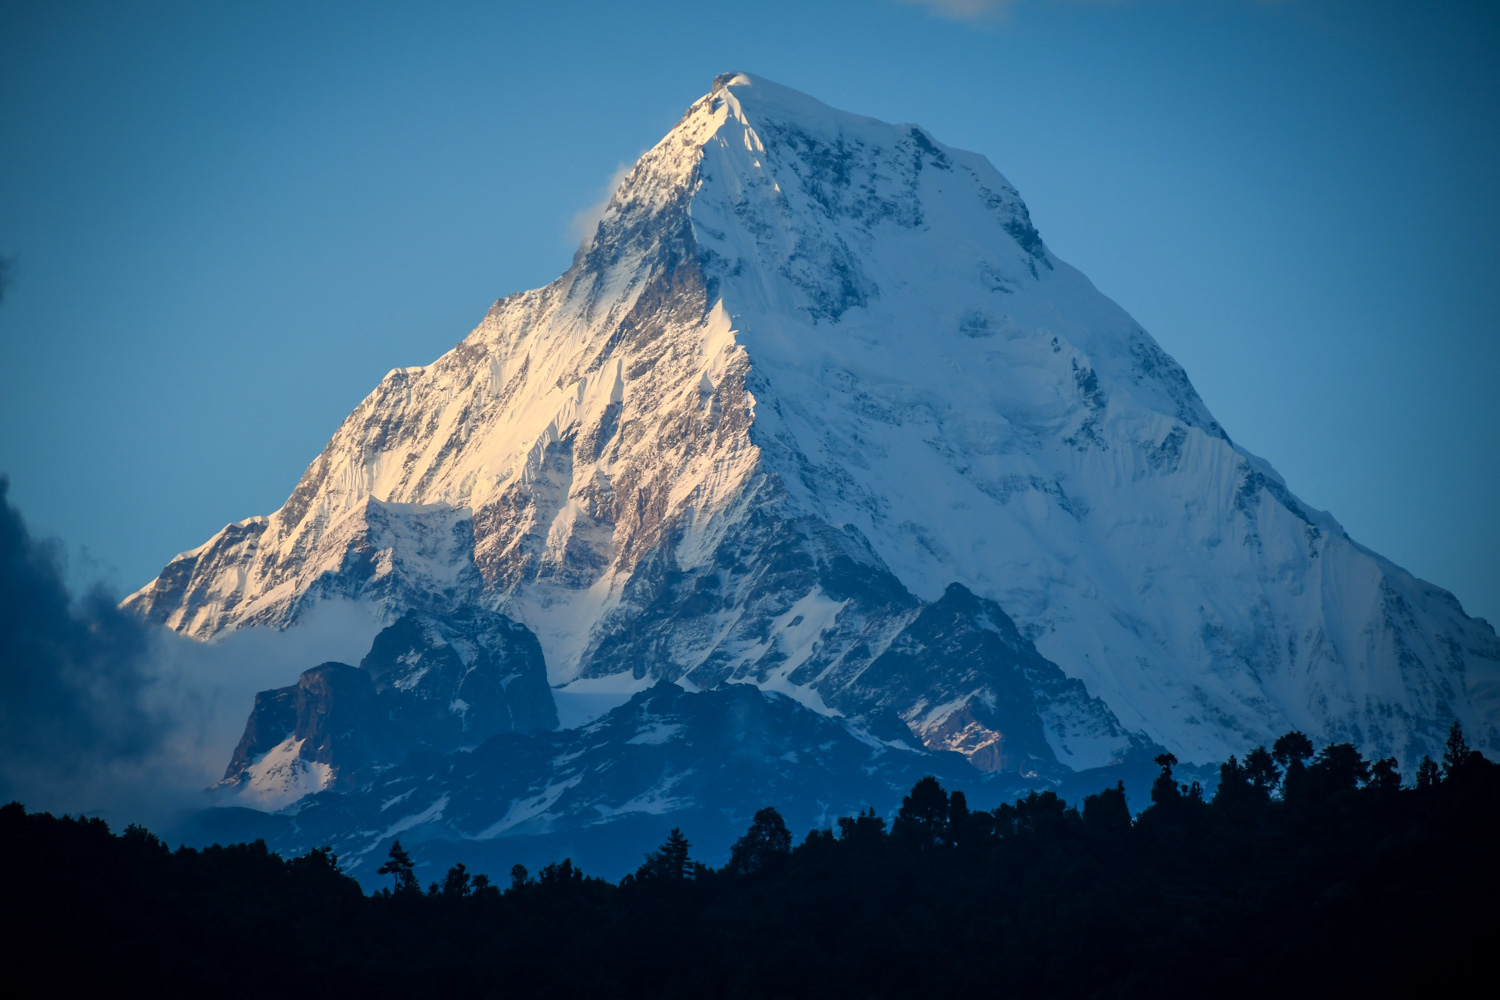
(811, 370)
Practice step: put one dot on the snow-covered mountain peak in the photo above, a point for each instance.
(751, 100)
(811, 372)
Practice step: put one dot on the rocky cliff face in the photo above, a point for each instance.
(816, 410)
(428, 683)
(456, 680)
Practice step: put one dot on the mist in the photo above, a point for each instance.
(105, 714)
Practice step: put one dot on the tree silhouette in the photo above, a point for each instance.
(1234, 784)
(958, 815)
(320, 862)
(1290, 751)
(456, 882)
(763, 846)
(1038, 813)
(1292, 748)
(1455, 751)
(1383, 775)
(1164, 790)
(670, 861)
(967, 828)
(563, 873)
(1338, 767)
(1107, 812)
(1428, 774)
(1035, 894)
(864, 828)
(401, 869)
(922, 819)
(1261, 769)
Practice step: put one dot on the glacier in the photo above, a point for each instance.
(816, 410)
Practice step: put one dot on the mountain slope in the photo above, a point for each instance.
(811, 370)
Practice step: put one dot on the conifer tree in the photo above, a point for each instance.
(1455, 751)
(401, 869)
(1164, 790)
(671, 861)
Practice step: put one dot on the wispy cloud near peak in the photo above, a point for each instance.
(586, 220)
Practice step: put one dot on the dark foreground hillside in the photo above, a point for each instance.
(1305, 875)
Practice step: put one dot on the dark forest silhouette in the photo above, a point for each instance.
(1305, 873)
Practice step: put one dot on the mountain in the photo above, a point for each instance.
(816, 410)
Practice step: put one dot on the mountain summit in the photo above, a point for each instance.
(816, 410)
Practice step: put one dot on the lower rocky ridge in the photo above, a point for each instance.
(447, 732)
(952, 675)
(428, 682)
(605, 793)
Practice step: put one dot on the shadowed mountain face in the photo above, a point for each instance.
(429, 683)
(458, 679)
(816, 411)
(603, 793)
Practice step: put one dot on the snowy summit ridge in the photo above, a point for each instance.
(815, 409)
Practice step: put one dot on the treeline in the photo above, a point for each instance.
(1303, 874)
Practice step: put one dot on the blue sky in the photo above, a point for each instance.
(230, 220)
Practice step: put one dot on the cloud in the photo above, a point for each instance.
(209, 688)
(72, 673)
(989, 11)
(101, 712)
(586, 220)
(967, 10)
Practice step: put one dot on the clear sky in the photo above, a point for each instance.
(228, 221)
